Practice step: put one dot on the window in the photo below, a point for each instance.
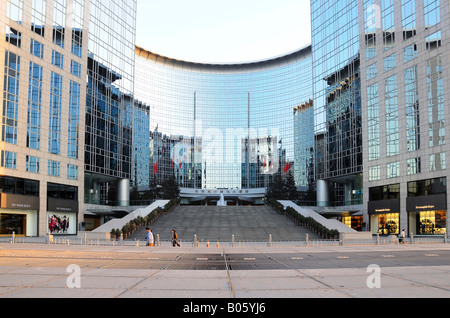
(34, 107)
(14, 10)
(432, 12)
(438, 162)
(372, 71)
(393, 170)
(436, 104)
(32, 164)
(414, 166)
(412, 109)
(375, 173)
(37, 49)
(390, 62)
(392, 124)
(433, 41)
(72, 172)
(53, 168)
(409, 53)
(75, 68)
(38, 17)
(409, 18)
(59, 22)
(57, 59)
(13, 36)
(54, 140)
(10, 98)
(8, 160)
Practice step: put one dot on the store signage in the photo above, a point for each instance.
(384, 206)
(427, 203)
(62, 206)
(19, 202)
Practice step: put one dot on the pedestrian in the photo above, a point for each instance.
(402, 237)
(175, 239)
(150, 238)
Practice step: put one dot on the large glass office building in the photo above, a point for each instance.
(227, 128)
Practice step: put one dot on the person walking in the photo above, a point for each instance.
(402, 237)
(150, 238)
(175, 239)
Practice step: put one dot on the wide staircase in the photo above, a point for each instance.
(246, 223)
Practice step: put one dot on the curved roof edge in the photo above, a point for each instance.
(280, 61)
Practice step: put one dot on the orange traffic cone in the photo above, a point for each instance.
(207, 243)
(217, 244)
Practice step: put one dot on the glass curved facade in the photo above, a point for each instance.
(228, 126)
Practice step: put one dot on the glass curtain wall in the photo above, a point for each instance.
(223, 126)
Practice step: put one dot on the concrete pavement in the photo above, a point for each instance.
(35, 271)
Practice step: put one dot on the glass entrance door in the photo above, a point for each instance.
(10, 223)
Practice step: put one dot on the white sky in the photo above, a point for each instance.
(223, 31)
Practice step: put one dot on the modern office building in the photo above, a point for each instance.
(337, 102)
(43, 49)
(67, 90)
(227, 128)
(405, 92)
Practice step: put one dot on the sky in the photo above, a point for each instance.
(223, 31)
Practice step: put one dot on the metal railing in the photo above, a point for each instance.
(234, 243)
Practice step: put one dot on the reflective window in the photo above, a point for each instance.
(13, 36)
(54, 137)
(373, 122)
(37, 48)
(53, 168)
(438, 162)
(409, 18)
(432, 12)
(59, 22)
(57, 59)
(34, 107)
(32, 164)
(8, 160)
(436, 103)
(14, 10)
(10, 98)
(74, 120)
(412, 109)
(393, 170)
(38, 17)
(392, 128)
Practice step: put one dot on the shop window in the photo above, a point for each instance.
(431, 223)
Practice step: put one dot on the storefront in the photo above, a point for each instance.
(427, 206)
(62, 209)
(385, 217)
(384, 210)
(19, 214)
(427, 215)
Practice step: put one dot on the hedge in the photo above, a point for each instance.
(309, 222)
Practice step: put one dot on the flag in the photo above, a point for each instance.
(287, 168)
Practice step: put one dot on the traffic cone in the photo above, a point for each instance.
(207, 243)
(217, 244)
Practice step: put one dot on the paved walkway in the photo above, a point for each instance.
(28, 271)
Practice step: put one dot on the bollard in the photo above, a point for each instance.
(157, 236)
(412, 239)
(121, 239)
(195, 240)
(270, 240)
(232, 241)
(307, 239)
(13, 237)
